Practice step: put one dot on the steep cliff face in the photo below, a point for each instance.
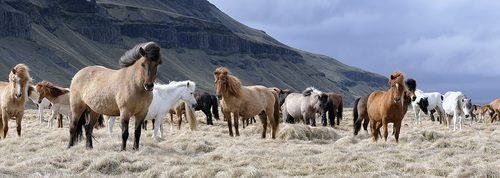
(56, 38)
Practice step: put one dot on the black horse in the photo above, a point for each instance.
(205, 101)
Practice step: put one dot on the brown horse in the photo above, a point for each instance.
(334, 107)
(59, 97)
(480, 111)
(388, 107)
(246, 102)
(13, 95)
(125, 92)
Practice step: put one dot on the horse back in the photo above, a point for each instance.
(255, 99)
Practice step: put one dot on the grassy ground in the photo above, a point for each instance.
(427, 150)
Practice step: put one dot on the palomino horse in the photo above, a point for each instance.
(457, 105)
(125, 92)
(495, 108)
(246, 102)
(59, 97)
(165, 98)
(334, 107)
(304, 106)
(13, 96)
(388, 107)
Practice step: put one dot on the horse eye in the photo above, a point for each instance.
(142, 65)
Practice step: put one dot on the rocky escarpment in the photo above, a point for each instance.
(14, 23)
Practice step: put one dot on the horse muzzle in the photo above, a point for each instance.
(18, 95)
(219, 97)
(149, 86)
(466, 116)
(397, 100)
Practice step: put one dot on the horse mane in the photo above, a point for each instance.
(411, 84)
(151, 49)
(310, 90)
(21, 70)
(50, 88)
(233, 83)
(190, 84)
(398, 77)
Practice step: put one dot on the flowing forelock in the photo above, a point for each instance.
(152, 52)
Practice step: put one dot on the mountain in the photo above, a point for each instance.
(56, 38)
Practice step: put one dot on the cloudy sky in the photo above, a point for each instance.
(446, 45)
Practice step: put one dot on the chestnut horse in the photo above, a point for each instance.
(388, 107)
(125, 92)
(13, 96)
(480, 111)
(360, 110)
(246, 102)
(59, 97)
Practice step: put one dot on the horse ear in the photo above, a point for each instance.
(142, 52)
(14, 71)
(187, 84)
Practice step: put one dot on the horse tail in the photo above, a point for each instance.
(276, 109)
(356, 123)
(340, 109)
(190, 116)
(81, 123)
(100, 122)
(215, 107)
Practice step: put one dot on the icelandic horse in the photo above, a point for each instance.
(125, 92)
(388, 107)
(13, 96)
(59, 97)
(334, 107)
(246, 102)
(495, 108)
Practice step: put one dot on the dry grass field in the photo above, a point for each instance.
(427, 150)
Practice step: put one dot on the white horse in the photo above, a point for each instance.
(33, 95)
(456, 104)
(303, 106)
(426, 102)
(164, 99)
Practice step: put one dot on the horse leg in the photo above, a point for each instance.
(40, 114)
(158, 124)
(111, 121)
(60, 120)
(227, 117)
(236, 118)
(124, 125)
(5, 127)
(374, 131)
(206, 111)
(397, 126)
(89, 127)
(137, 134)
(384, 123)
(263, 121)
(171, 121)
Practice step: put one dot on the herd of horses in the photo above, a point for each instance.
(131, 91)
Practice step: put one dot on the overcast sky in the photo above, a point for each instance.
(446, 45)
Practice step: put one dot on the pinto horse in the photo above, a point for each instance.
(246, 102)
(388, 107)
(125, 92)
(13, 96)
(59, 97)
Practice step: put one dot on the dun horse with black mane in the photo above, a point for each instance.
(246, 102)
(125, 92)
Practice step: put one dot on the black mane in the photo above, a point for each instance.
(151, 49)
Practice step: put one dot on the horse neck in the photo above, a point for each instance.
(33, 96)
(134, 71)
(171, 93)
